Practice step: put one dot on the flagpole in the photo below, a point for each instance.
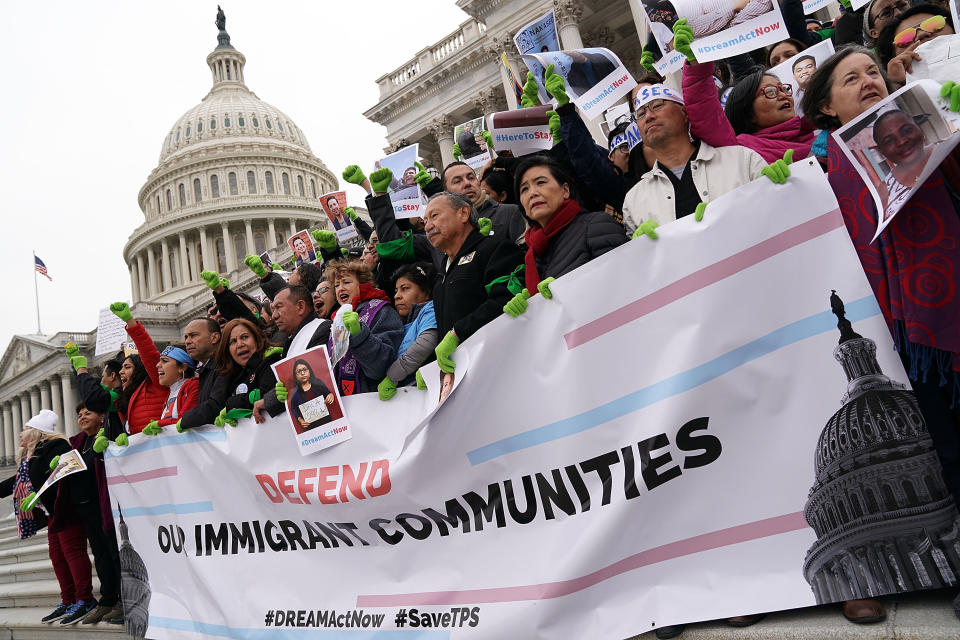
(36, 294)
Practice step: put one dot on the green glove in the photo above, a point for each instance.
(78, 362)
(29, 502)
(266, 354)
(281, 392)
(444, 350)
(421, 383)
(353, 174)
(386, 389)
(101, 443)
(344, 252)
(276, 266)
(223, 419)
(516, 306)
(350, 213)
(951, 91)
(224, 283)
(554, 124)
(488, 138)
(101, 433)
(779, 170)
(847, 4)
(180, 429)
(530, 96)
(255, 264)
(646, 60)
(457, 154)
(485, 226)
(683, 38)
(153, 428)
(121, 310)
(72, 350)
(422, 177)
(351, 320)
(646, 228)
(544, 288)
(326, 240)
(698, 212)
(122, 440)
(54, 462)
(555, 86)
(212, 278)
(380, 180)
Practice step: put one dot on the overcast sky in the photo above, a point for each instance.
(90, 90)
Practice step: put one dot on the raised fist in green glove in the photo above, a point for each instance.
(326, 240)
(646, 228)
(121, 310)
(485, 226)
(101, 443)
(457, 154)
(444, 350)
(29, 502)
(646, 60)
(779, 170)
(153, 428)
(122, 440)
(353, 174)
(211, 278)
(554, 124)
(350, 213)
(846, 4)
(530, 96)
(544, 288)
(78, 362)
(951, 91)
(517, 305)
(380, 180)
(488, 138)
(555, 86)
(351, 320)
(683, 38)
(224, 283)
(255, 264)
(54, 462)
(281, 392)
(276, 266)
(422, 177)
(344, 252)
(386, 389)
(72, 350)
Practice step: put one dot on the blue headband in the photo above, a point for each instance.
(179, 355)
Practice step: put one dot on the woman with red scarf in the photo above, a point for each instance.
(375, 328)
(561, 236)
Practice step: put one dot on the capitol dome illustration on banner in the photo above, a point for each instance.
(884, 520)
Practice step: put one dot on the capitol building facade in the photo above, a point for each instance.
(235, 176)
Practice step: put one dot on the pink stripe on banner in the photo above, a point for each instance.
(705, 542)
(705, 277)
(152, 474)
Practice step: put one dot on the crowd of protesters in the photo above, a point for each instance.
(487, 241)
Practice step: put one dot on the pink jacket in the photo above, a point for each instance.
(709, 123)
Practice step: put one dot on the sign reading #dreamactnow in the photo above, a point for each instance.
(594, 79)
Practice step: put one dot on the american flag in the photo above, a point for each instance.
(42, 268)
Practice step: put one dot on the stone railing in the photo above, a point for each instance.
(429, 57)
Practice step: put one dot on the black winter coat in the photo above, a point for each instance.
(257, 374)
(460, 296)
(508, 221)
(212, 392)
(38, 469)
(588, 236)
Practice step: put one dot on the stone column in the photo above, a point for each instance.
(69, 400)
(272, 234)
(206, 259)
(11, 427)
(184, 256)
(142, 278)
(639, 21)
(568, 13)
(34, 398)
(248, 228)
(490, 101)
(24, 400)
(56, 395)
(495, 46)
(228, 247)
(293, 227)
(4, 424)
(166, 265)
(45, 397)
(152, 272)
(442, 129)
(134, 283)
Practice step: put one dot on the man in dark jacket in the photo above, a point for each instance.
(201, 338)
(467, 294)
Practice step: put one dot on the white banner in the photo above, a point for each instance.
(638, 451)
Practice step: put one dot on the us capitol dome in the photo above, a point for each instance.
(236, 176)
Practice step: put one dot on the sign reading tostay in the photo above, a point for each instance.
(601, 454)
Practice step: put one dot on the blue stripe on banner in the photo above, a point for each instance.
(190, 436)
(272, 633)
(164, 509)
(679, 383)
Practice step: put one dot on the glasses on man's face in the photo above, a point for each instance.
(887, 12)
(622, 148)
(771, 91)
(930, 25)
(650, 107)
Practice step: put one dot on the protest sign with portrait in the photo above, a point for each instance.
(302, 246)
(405, 194)
(473, 148)
(797, 70)
(538, 36)
(594, 79)
(334, 204)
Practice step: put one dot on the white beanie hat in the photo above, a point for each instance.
(45, 421)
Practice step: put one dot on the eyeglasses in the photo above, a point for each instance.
(650, 107)
(771, 91)
(622, 148)
(930, 25)
(888, 12)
